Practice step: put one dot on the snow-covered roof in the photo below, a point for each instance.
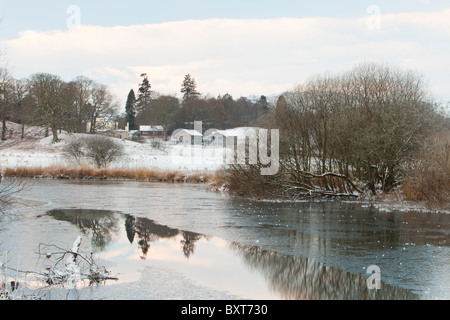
(193, 133)
(236, 132)
(151, 128)
(189, 132)
(220, 132)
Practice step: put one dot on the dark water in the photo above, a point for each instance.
(248, 249)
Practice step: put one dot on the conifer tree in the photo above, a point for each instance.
(189, 87)
(130, 110)
(144, 96)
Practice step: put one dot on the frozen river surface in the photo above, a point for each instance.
(181, 241)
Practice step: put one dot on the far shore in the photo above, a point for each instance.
(388, 203)
(88, 173)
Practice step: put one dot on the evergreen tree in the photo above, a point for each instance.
(130, 110)
(189, 87)
(144, 96)
(262, 106)
(263, 103)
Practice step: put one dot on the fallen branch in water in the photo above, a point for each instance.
(73, 271)
(76, 269)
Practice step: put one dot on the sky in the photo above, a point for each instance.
(244, 48)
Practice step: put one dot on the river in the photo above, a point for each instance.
(182, 241)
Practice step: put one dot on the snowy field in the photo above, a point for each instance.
(37, 151)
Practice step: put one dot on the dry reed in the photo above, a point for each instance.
(111, 174)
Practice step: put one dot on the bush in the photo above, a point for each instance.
(100, 150)
(75, 150)
(428, 175)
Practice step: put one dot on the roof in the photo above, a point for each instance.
(236, 132)
(189, 132)
(221, 132)
(151, 128)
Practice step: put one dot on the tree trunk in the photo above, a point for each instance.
(93, 127)
(3, 129)
(55, 135)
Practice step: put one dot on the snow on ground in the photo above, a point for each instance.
(36, 150)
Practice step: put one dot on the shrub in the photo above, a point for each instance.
(75, 150)
(99, 150)
(428, 175)
(103, 150)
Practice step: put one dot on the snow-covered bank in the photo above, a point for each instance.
(37, 151)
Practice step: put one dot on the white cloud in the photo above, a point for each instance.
(240, 57)
(438, 22)
(107, 72)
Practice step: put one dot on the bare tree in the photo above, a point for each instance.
(6, 98)
(345, 134)
(21, 106)
(9, 189)
(82, 91)
(391, 116)
(12, 94)
(52, 101)
(89, 102)
(102, 104)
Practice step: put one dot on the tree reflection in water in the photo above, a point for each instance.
(147, 231)
(298, 278)
(103, 227)
(291, 277)
(188, 242)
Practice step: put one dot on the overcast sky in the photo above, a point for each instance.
(244, 47)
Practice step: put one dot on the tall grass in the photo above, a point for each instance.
(110, 174)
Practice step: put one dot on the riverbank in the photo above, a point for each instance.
(34, 156)
(88, 173)
(394, 201)
(383, 203)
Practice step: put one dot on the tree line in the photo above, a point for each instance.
(148, 107)
(46, 100)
